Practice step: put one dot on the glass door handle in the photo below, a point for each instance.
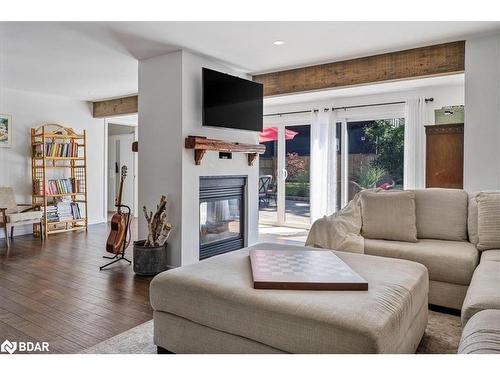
(285, 174)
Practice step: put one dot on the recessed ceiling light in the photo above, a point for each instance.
(279, 42)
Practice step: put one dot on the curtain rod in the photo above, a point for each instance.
(427, 100)
(291, 113)
(366, 105)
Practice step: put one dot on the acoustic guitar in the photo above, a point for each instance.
(118, 233)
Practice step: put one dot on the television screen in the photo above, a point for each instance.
(231, 102)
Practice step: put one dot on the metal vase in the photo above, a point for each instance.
(149, 261)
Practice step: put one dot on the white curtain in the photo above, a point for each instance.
(415, 120)
(322, 165)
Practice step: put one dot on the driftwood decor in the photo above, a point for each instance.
(158, 226)
(202, 144)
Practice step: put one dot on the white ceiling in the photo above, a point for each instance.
(95, 60)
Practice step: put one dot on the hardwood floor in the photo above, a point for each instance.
(55, 292)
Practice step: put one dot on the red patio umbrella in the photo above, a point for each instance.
(271, 134)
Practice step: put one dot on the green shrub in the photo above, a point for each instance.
(369, 176)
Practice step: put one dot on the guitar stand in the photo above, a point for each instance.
(120, 255)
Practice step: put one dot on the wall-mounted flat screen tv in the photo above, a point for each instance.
(231, 102)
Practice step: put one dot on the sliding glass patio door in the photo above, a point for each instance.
(284, 181)
(297, 177)
(371, 152)
(365, 150)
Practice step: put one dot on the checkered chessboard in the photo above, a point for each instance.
(303, 269)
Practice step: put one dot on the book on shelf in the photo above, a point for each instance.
(58, 186)
(63, 210)
(56, 149)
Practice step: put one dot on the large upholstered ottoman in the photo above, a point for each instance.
(211, 307)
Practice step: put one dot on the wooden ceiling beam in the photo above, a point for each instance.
(436, 60)
(116, 107)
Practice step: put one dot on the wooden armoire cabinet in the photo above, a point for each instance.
(444, 156)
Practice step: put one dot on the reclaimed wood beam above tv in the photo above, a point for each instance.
(436, 60)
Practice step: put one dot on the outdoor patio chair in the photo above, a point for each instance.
(264, 184)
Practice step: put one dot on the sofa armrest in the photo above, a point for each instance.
(336, 233)
(31, 207)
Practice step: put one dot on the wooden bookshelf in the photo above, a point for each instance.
(59, 171)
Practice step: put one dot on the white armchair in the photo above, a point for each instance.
(12, 214)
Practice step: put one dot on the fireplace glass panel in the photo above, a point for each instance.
(219, 220)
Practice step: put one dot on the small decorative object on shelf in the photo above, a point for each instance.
(150, 255)
(59, 176)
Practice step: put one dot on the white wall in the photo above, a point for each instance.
(482, 114)
(170, 105)
(160, 142)
(30, 110)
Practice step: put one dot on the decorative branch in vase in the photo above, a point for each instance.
(158, 226)
(150, 255)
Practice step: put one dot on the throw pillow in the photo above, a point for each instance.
(389, 216)
(441, 214)
(488, 215)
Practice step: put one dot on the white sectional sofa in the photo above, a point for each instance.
(419, 247)
(458, 241)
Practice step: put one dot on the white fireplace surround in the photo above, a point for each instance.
(170, 109)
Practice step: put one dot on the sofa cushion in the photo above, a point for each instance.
(389, 317)
(492, 255)
(484, 290)
(481, 335)
(441, 214)
(389, 216)
(488, 215)
(24, 216)
(447, 261)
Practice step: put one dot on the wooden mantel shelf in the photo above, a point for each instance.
(201, 145)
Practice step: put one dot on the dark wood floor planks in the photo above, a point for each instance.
(55, 292)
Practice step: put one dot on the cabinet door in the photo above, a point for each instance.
(445, 156)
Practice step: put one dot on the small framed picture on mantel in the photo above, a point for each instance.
(5, 130)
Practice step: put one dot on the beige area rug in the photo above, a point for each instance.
(441, 337)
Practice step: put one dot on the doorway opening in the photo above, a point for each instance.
(121, 132)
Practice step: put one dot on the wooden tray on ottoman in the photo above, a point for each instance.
(303, 270)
